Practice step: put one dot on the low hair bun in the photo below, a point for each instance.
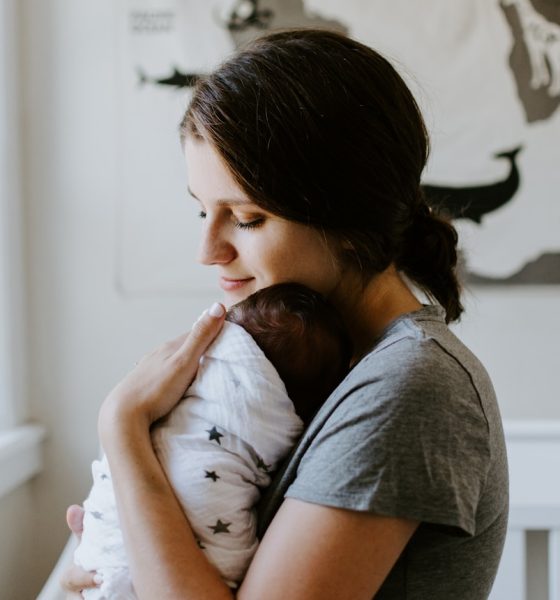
(429, 257)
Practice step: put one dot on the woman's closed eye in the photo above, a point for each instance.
(249, 223)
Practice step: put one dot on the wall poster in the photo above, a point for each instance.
(486, 74)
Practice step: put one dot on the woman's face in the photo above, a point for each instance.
(251, 247)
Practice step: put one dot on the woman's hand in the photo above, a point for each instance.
(160, 379)
(147, 393)
(75, 579)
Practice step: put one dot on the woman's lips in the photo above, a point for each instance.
(230, 285)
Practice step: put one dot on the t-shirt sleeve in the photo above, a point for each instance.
(410, 440)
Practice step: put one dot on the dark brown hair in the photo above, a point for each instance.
(302, 335)
(320, 129)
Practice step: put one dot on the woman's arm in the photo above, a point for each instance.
(309, 551)
(165, 561)
(314, 552)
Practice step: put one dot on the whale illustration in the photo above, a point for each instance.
(545, 269)
(474, 202)
(176, 79)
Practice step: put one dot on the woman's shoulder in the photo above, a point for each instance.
(417, 339)
(420, 354)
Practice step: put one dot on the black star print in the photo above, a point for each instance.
(104, 476)
(211, 475)
(97, 515)
(261, 465)
(214, 434)
(201, 545)
(220, 527)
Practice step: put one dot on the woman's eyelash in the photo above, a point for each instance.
(240, 224)
(249, 224)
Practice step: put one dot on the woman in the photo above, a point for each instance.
(305, 152)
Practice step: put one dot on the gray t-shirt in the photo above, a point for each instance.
(413, 431)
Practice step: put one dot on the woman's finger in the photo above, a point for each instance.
(75, 519)
(203, 333)
(75, 579)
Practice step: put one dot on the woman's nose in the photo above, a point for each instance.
(214, 248)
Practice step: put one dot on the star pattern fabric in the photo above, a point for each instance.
(211, 475)
(214, 435)
(220, 527)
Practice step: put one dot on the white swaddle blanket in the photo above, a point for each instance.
(217, 448)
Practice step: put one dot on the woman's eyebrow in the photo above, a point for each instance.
(223, 201)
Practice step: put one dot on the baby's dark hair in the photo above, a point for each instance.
(303, 336)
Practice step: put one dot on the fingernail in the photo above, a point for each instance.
(97, 579)
(216, 310)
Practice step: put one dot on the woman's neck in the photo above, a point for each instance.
(368, 311)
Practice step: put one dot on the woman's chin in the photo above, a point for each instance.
(231, 298)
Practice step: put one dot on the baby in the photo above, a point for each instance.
(281, 352)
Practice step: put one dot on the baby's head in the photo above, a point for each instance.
(303, 336)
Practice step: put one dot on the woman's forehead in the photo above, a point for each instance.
(208, 175)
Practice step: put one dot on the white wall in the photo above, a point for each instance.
(84, 335)
(515, 332)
